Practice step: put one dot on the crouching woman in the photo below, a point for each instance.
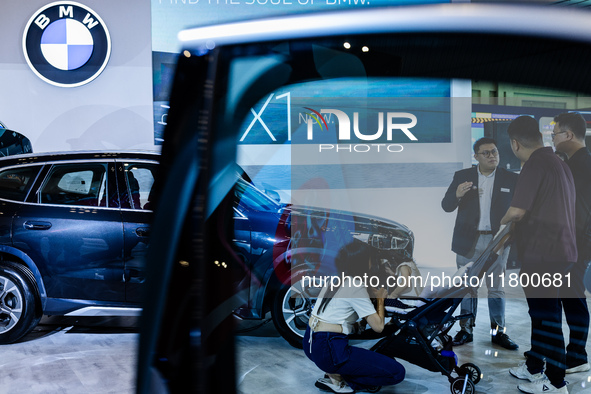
(349, 368)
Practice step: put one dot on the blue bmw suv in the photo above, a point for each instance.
(75, 228)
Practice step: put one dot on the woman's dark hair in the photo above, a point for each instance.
(352, 260)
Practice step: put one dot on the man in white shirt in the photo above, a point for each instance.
(482, 195)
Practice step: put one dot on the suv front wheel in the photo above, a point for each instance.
(17, 302)
(292, 307)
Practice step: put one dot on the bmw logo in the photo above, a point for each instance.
(66, 44)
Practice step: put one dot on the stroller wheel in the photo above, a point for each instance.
(471, 370)
(462, 386)
(373, 389)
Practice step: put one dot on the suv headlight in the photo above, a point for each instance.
(399, 243)
(383, 241)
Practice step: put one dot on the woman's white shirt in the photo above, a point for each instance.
(349, 304)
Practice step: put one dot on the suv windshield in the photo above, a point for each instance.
(252, 198)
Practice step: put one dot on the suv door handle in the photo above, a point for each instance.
(37, 225)
(133, 275)
(142, 232)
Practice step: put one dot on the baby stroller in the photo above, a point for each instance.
(418, 331)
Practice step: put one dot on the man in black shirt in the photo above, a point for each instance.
(569, 138)
(543, 210)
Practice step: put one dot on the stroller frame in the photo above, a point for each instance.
(410, 336)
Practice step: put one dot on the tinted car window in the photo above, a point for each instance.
(139, 178)
(13, 143)
(75, 184)
(16, 182)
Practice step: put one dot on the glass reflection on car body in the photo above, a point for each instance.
(248, 69)
(67, 244)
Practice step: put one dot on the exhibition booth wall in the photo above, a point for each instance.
(112, 112)
(124, 107)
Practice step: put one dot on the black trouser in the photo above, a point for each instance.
(547, 341)
(576, 311)
(545, 310)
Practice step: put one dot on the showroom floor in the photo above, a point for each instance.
(93, 356)
(59, 357)
(268, 365)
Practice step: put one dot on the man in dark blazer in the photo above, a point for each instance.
(482, 195)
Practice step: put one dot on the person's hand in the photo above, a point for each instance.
(379, 292)
(359, 327)
(388, 270)
(462, 189)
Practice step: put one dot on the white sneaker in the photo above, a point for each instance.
(542, 386)
(579, 368)
(521, 372)
(325, 384)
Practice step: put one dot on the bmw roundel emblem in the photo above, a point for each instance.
(66, 44)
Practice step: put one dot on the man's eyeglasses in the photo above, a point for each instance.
(489, 153)
(555, 134)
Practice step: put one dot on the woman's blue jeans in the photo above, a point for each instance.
(361, 368)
